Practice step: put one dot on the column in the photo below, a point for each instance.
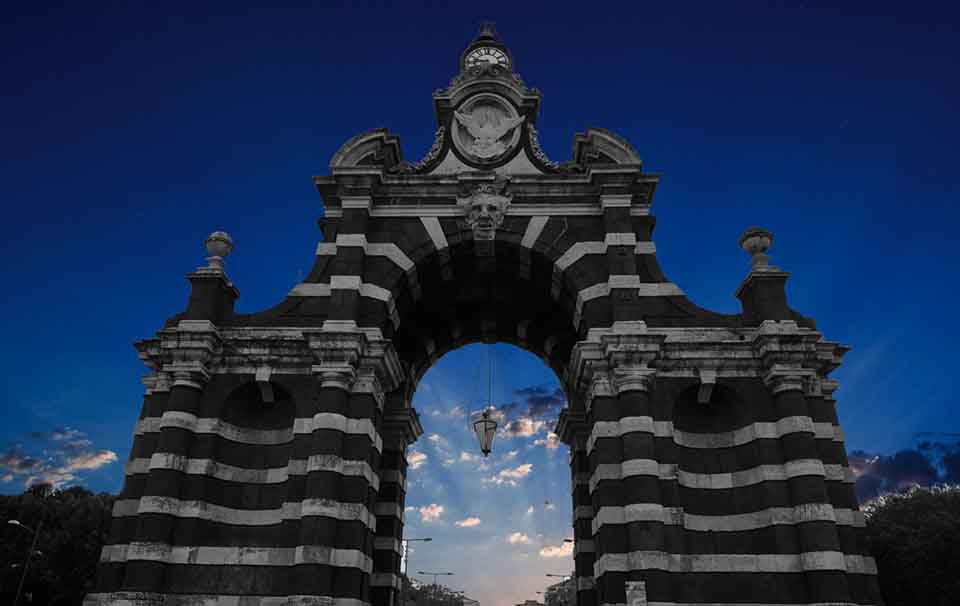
(159, 508)
(821, 558)
(574, 431)
(400, 428)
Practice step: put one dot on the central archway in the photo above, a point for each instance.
(498, 523)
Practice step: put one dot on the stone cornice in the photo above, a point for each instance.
(793, 358)
(182, 354)
(613, 360)
(781, 353)
(401, 425)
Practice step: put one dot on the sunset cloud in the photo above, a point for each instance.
(431, 512)
(518, 538)
(468, 522)
(416, 459)
(551, 442)
(523, 427)
(931, 462)
(63, 453)
(510, 476)
(562, 550)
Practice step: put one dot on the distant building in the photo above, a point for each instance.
(530, 603)
(470, 602)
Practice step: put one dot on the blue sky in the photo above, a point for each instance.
(133, 130)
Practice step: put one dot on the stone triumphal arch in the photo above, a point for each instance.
(268, 464)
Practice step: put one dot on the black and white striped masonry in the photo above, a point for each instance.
(268, 465)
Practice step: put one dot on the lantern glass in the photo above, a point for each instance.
(485, 426)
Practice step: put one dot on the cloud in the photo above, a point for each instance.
(562, 550)
(518, 538)
(91, 460)
(431, 512)
(457, 412)
(509, 476)
(437, 439)
(416, 459)
(523, 427)
(928, 464)
(63, 453)
(509, 456)
(536, 411)
(468, 522)
(551, 442)
(468, 457)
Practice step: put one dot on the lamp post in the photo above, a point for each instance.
(436, 583)
(406, 566)
(26, 564)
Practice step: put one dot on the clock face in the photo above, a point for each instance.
(487, 55)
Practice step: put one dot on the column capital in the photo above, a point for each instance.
(625, 351)
(782, 377)
(571, 426)
(188, 374)
(368, 383)
(633, 377)
(794, 358)
(355, 358)
(335, 375)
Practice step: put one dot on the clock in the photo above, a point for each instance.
(487, 55)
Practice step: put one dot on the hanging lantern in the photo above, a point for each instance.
(485, 426)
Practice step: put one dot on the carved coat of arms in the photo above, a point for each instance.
(487, 125)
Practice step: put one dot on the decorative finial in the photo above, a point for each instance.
(219, 245)
(488, 31)
(756, 241)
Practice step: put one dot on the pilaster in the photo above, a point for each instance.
(183, 354)
(791, 367)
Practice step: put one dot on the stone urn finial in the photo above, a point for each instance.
(219, 245)
(756, 241)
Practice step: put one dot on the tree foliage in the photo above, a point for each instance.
(417, 594)
(915, 539)
(74, 527)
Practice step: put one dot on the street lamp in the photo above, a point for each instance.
(406, 566)
(485, 426)
(33, 548)
(436, 583)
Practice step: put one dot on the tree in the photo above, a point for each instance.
(75, 526)
(915, 539)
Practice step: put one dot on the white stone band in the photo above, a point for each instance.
(724, 439)
(274, 475)
(774, 516)
(237, 556)
(259, 437)
(134, 598)
(245, 517)
(706, 563)
(720, 481)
